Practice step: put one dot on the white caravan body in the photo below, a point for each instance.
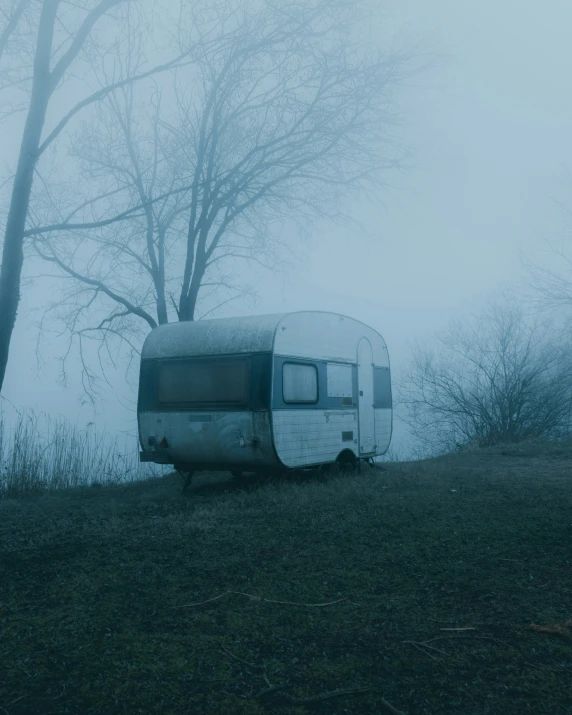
(264, 392)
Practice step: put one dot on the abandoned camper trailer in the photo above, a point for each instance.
(260, 393)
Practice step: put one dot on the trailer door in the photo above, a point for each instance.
(365, 403)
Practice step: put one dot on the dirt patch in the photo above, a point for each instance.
(414, 587)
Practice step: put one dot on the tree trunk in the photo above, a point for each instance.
(188, 304)
(159, 280)
(13, 251)
(186, 309)
(162, 315)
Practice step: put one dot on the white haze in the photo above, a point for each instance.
(490, 131)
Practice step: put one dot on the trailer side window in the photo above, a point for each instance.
(299, 383)
(204, 383)
(339, 380)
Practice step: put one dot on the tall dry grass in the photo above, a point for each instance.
(39, 453)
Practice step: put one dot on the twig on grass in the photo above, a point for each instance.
(563, 630)
(415, 645)
(260, 598)
(499, 558)
(326, 696)
(426, 644)
(462, 638)
(291, 603)
(389, 707)
(483, 638)
(269, 690)
(420, 645)
(241, 660)
(202, 603)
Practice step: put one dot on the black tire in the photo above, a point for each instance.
(347, 462)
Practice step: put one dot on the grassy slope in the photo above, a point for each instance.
(93, 585)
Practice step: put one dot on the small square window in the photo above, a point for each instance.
(299, 383)
(339, 381)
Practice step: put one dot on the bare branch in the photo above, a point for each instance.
(127, 214)
(81, 36)
(100, 286)
(103, 92)
(11, 24)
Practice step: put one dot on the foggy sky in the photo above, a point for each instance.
(490, 132)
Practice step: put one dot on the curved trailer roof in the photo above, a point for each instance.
(312, 334)
(224, 336)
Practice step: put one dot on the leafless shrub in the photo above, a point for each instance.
(393, 455)
(503, 377)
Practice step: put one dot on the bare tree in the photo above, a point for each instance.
(284, 113)
(502, 377)
(60, 34)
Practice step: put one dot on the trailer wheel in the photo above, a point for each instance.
(346, 462)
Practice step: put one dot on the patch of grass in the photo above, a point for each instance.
(97, 591)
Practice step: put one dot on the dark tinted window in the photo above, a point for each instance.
(147, 398)
(215, 382)
(381, 387)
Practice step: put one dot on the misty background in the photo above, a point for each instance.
(487, 126)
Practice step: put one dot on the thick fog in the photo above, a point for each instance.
(488, 130)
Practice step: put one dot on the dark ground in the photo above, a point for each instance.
(99, 591)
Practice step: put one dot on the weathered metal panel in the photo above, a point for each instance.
(233, 438)
(306, 437)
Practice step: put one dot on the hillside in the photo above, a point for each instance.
(414, 588)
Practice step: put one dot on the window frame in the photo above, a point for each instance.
(316, 373)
